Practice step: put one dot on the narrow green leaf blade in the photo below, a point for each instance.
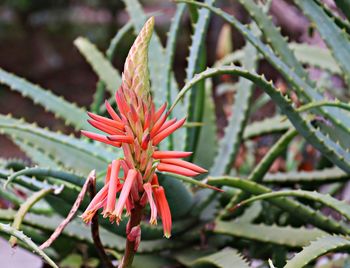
(229, 144)
(68, 151)
(5, 228)
(336, 39)
(318, 248)
(225, 258)
(280, 235)
(102, 67)
(340, 206)
(331, 149)
(69, 112)
(344, 5)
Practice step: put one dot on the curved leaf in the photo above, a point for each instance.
(317, 176)
(331, 149)
(315, 56)
(280, 235)
(318, 248)
(229, 144)
(207, 139)
(61, 108)
(225, 258)
(335, 38)
(340, 206)
(298, 82)
(304, 213)
(5, 228)
(103, 68)
(71, 152)
(266, 126)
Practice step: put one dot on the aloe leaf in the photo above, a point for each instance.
(207, 138)
(315, 56)
(198, 37)
(332, 150)
(307, 54)
(5, 228)
(340, 22)
(179, 197)
(276, 150)
(170, 49)
(194, 102)
(39, 208)
(336, 39)
(344, 5)
(250, 214)
(100, 89)
(266, 126)
(225, 258)
(301, 86)
(152, 260)
(231, 58)
(280, 235)
(168, 82)
(335, 103)
(264, 165)
(71, 152)
(36, 171)
(318, 248)
(317, 176)
(273, 36)
(103, 68)
(340, 206)
(229, 144)
(304, 213)
(191, 181)
(38, 156)
(61, 108)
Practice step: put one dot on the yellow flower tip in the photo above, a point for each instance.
(167, 235)
(153, 221)
(87, 216)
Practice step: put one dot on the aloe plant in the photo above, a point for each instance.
(231, 216)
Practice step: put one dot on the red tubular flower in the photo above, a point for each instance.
(113, 188)
(164, 210)
(138, 128)
(170, 154)
(148, 196)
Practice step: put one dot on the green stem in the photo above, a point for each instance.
(24, 208)
(5, 228)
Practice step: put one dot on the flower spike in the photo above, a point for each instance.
(138, 127)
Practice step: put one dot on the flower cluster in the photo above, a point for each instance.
(138, 129)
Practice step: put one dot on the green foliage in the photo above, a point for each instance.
(336, 39)
(63, 109)
(317, 248)
(5, 228)
(287, 236)
(229, 144)
(219, 221)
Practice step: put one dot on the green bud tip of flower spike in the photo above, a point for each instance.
(136, 74)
